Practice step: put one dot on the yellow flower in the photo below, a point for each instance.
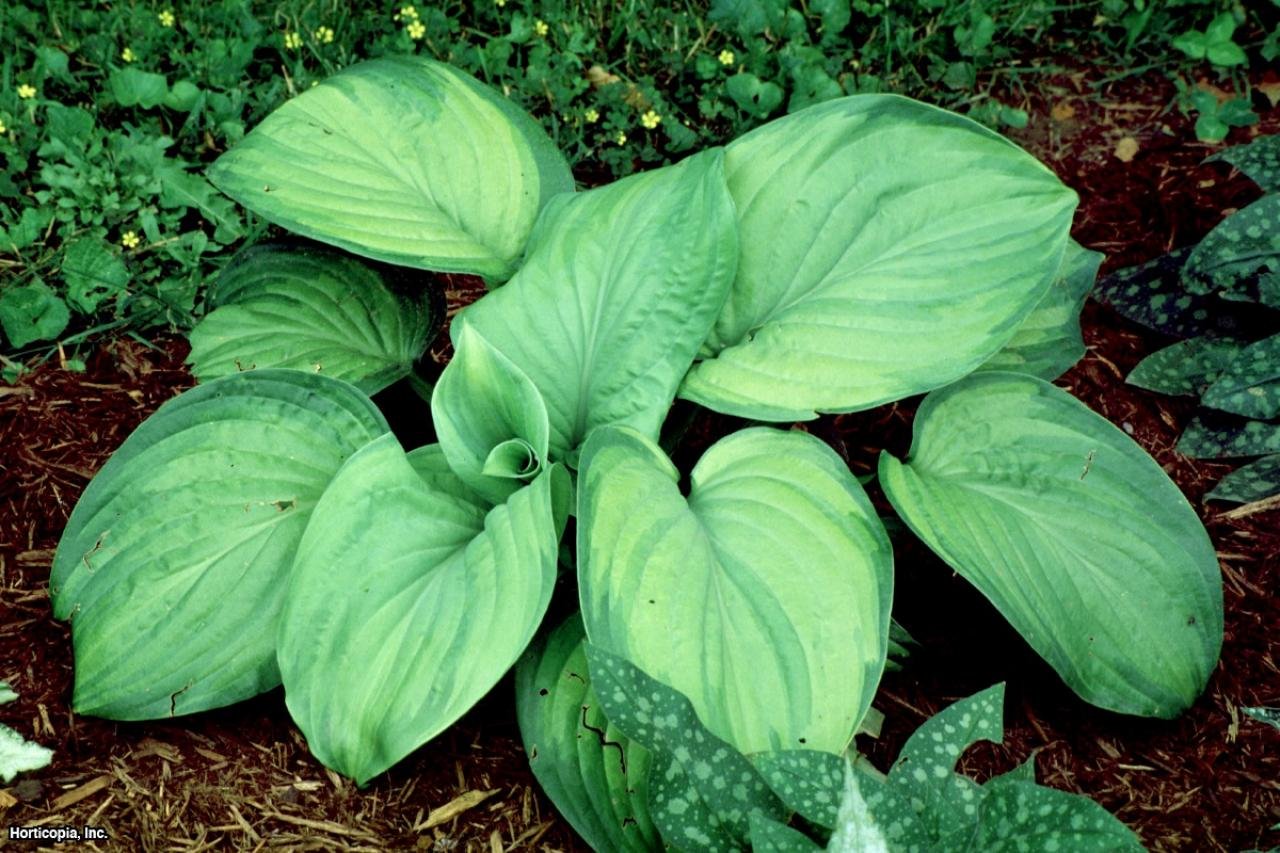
(651, 120)
(166, 18)
(324, 35)
(292, 41)
(621, 138)
(540, 29)
(25, 91)
(500, 3)
(409, 12)
(417, 30)
(726, 57)
(3, 129)
(130, 240)
(591, 116)
(128, 55)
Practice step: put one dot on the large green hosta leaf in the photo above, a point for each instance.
(172, 568)
(408, 602)
(401, 159)
(618, 291)
(1075, 534)
(310, 308)
(886, 248)
(763, 597)
(1049, 341)
(595, 775)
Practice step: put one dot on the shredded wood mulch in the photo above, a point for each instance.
(241, 778)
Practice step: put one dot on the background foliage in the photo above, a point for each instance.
(110, 111)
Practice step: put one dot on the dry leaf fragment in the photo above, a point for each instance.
(1126, 149)
(457, 806)
(597, 76)
(1062, 111)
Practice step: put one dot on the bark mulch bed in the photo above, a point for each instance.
(241, 778)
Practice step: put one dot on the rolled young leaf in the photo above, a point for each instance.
(309, 307)
(1049, 341)
(887, 247)
(620, 286)
(596, 777)
(404, 160)
(1073, 532)
(407, 603)
(763, 597)
(173, 566)
(490, 418)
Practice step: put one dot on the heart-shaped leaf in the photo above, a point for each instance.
(763, 597)
(310, 308)
(173, 566)
(407, 603)
(619, 289)
(886, 248)
(456, 187)
(1073, 532)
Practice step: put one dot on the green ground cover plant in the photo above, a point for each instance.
(268, 528)
(109, 112)
(1222, 297)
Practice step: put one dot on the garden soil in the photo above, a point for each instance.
(241, 777)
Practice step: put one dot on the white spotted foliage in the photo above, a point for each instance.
(807, 781)
(702, 791)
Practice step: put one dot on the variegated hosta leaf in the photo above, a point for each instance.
(491, 420)
(1187, 367)
(311, 308)
(620, 287)
(405, 160)
(594, 774)
(1049, 341)
(173, 566)
(1250, 384)
(1073, 532)
(1259, 159)
(887, 247)
(406, 604)
(1242, 246)
(702, 592)
(1214, 436)
(1252, 482)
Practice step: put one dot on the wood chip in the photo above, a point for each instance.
(1126, 149)
(88, 789)
(455, 807)
(7, 801)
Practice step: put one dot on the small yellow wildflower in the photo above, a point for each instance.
(417, 30)
(500, 3)
(650, 120)
(409, 13)
(292, 41)
(166, 18)
(540, 29)
(726, 57)
(3, 128)
(621, 138)
(130, 240)
(324, 35)
(591, 116)
(25, 92)
(128, 55)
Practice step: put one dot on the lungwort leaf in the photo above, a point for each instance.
(173, 566)
(407, 603)
(1260, 160)
(1075, 534)
(1187, 367)
(1252, 482)
(1049, 341)
(886, 248)
(619, 289)
(763, 597)
(310, 308)
(1240, 248)
(1249, 385)
(594, 774)
(456, 187)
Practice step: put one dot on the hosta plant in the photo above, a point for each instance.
(1222, 298)
(267, 528)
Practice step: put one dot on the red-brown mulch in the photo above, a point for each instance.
(241, 778)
